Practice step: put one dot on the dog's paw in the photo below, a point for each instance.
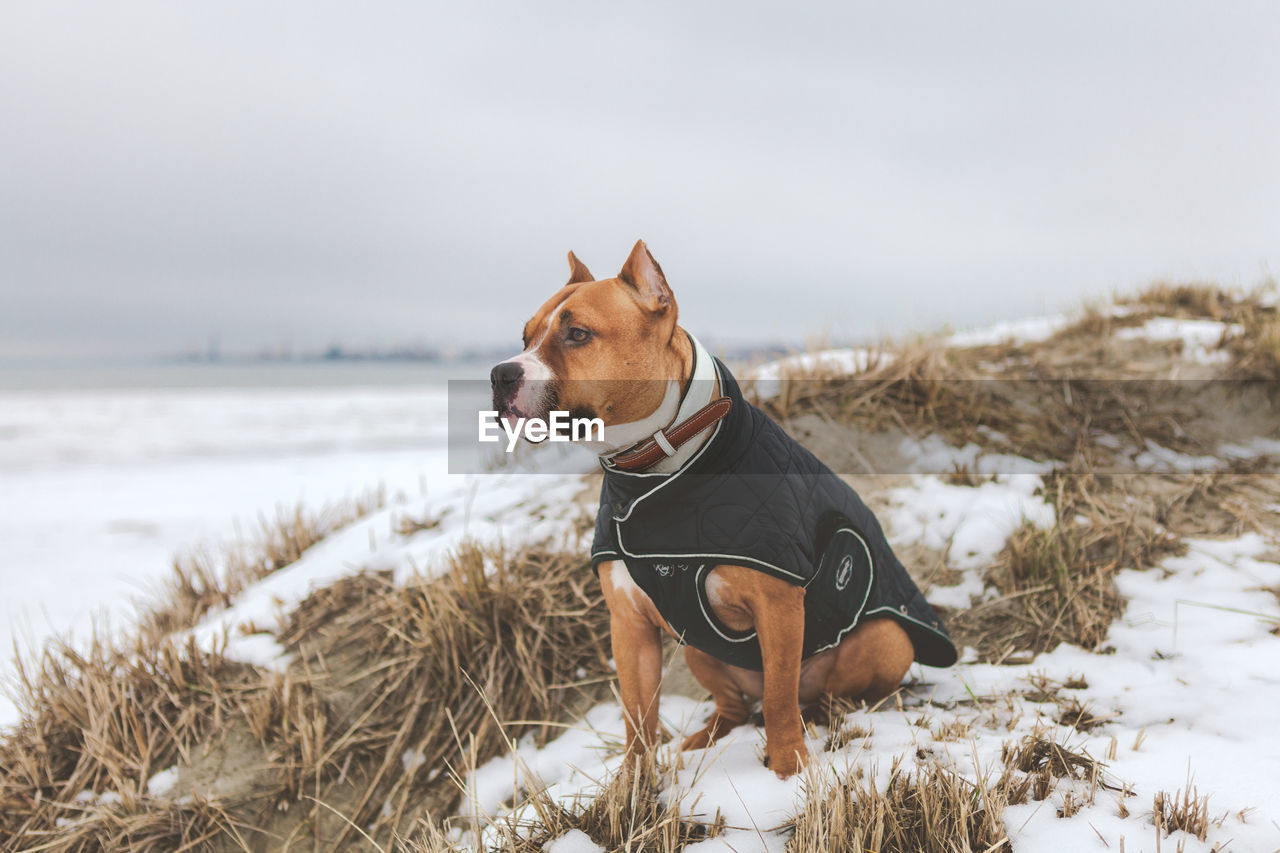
(786, 762)
(700, 739)
(715, 729)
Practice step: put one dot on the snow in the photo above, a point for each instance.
(1026, 331)
(573, 841)
(969, 523)
(411, 760)
(582, 755)
(1159, 458)
(932, 455)
(88, 798)
(741, 841)
(1200, 342)
(854, 360)
(100, 489)
(1200, 338)
(1188, 693)
(499, 509)
(849, 360)
(163, 782)
(841, 360)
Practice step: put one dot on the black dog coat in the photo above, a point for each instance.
(752, 496)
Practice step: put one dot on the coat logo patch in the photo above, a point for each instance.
(667, 569)
(844, 572)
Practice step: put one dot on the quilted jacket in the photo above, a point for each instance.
(752, 496)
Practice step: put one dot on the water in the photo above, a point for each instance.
(153, 374)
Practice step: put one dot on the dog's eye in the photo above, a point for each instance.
(578, 336)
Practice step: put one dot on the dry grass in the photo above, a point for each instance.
(407, 525)
(106, 719)
(1184, 811)
(381, 670)
(1046, 762)
(834, 714)
(1072, 402)
(1256, 352)
(1097, 321)
(204, 580)
(919, 384)
(431, 668)
(1052, 400)
(931, 810)
(955, 730)
(1080, 717)
(625, 815)
(1187, 299)
(1056, 584)
(1029, 404)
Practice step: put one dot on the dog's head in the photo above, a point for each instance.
(597, 348)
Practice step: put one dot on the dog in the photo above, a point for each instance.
(714, 525)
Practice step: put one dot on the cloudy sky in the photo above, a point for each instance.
(379, 173)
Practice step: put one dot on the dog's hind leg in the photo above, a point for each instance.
(871, 661)
(731, 706)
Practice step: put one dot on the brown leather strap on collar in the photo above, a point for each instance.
(650, 451)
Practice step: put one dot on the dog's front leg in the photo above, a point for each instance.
(779, 621)
(637, 652)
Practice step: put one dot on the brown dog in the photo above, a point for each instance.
(612, 349)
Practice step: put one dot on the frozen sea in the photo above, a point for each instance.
(108, 471)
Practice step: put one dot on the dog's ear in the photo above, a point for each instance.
(642, 272)
(578, 271)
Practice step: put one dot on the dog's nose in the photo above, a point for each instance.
(507, 373)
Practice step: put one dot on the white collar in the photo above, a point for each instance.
(702, 384)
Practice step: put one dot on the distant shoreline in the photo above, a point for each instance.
(141, 375)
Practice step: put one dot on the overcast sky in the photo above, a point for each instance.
(380, 173)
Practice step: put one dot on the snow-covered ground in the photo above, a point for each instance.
(1199, 338)
(101, 488)
(1188, 692)
(769, 376)
(1025, 331)
(511, 509)
(99, 492)
(1186, 685)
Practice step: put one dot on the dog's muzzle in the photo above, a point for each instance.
(505, 380)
